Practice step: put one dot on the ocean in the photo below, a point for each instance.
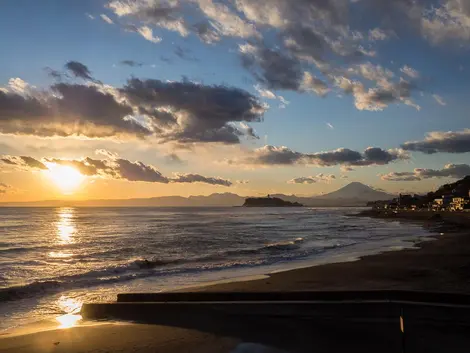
(54, 259)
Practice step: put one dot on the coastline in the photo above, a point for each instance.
(440, 265)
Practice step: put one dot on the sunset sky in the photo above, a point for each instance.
(122, 99)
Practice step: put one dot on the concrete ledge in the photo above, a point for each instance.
(324, 296)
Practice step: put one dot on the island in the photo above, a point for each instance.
(269, 202)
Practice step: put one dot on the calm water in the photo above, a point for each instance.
(53, 259)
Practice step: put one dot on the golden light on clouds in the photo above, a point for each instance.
(66, 178)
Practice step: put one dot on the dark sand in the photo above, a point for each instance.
(440, 265)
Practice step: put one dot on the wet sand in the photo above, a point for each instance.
(442, 265)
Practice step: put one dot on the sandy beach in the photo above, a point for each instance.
(441, 265)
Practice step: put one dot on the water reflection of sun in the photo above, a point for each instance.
(65, 226)
(72, 308)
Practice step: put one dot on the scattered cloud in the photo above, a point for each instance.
(106, 19)
(242, 182)
(90, 16)
(313, 179)
(22, 162)
(131, 63)
(439, 99)
(173, 158)
(400, 176)
(441, 142)
(380, 97)
(147, 33)
(314, 43)
(410, 72)
(448, 22)
(184, 53)
(187, 120)
(79, 70)
(279, 156)
(330, 126)
(378, 34)
(455, 171)
(268, 94)
(167, 111)
(106, 153)
(346, 169)
(196, 178)
(115, 168)
(5, 189)
(164, 14)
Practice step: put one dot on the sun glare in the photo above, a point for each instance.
(65, 177)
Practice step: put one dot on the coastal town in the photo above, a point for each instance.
(453, 197)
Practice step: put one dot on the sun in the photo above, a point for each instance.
(65, 177)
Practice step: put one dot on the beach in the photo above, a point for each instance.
(441, 265)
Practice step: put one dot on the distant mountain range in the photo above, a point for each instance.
(353, 194)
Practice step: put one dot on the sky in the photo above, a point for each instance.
(144, 98)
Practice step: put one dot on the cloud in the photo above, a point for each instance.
(439, 99)
(242, 182)
(410, 72)
(175, 111)
(304, 45)
(164, 14)
(448, 22)
(206, 33)
(380, 97)
(455, 171)
(79, 70)
(184, 54)
(147, 33)
(279, 156)
(90, 16)
(23, 162)
(225, 21)
(301, 46)
(196, 178)
(346, 169)
(18, 86)
(272, 68)
(4, 188)
(138, 171)
(131, 63)
(173, 158)
(441, 142)
(106, 19)
(311, 83)
(330, 126)
(378, 34)
(167, 111)
(400, 176)
(114, 168)
(106, 153)
(268, 94)
(313, 179)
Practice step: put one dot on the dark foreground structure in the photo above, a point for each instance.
(372, 321)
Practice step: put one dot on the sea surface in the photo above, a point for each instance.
(54, 259)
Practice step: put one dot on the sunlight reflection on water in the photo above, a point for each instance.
(65, 227)
(68, 320)
(72, 309)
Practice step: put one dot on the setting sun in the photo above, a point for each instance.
(65, 177)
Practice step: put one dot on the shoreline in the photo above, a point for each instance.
(440, 265)
(432, 265)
